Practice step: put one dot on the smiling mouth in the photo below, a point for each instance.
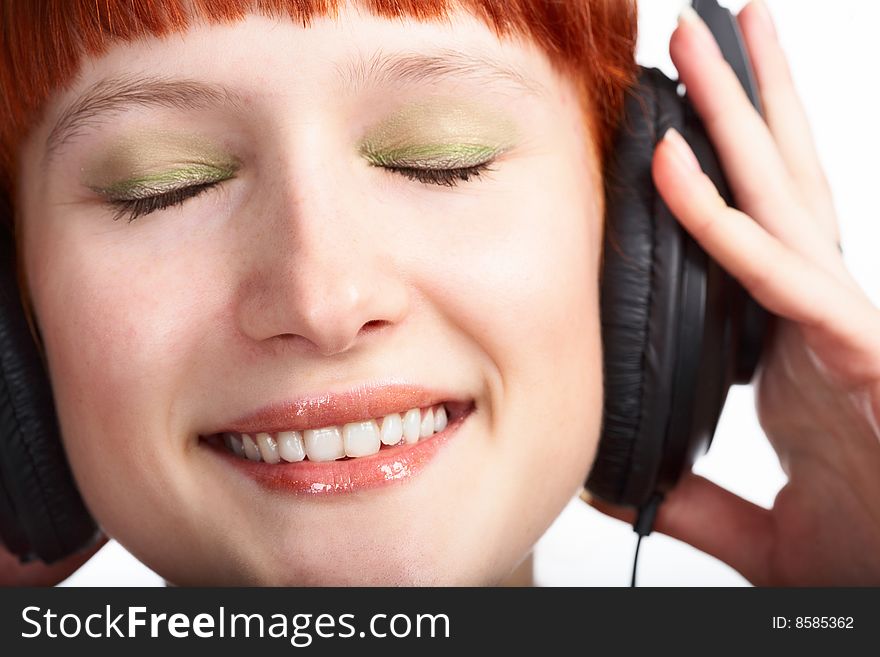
(353, 440)
(343, 458)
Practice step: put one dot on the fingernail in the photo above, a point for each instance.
(690, 18)
(688, 15)
(766, 17)
(682, 151)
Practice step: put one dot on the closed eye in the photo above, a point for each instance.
(134, 208)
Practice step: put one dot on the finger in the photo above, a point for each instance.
(785, 115)
(777, 277)
(839, 322)
(714, 521)
(748, 152)
(627, 514)
(717, 522)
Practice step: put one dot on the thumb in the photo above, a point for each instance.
(713, 520)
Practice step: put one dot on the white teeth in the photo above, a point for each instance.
(440, 419)
(411, 428)
(268, 448)
(250, 448)
(324, 444)
(361, 438)
(234, 443)
(354, 439)
(427, 426)
(290, 446)
(392, 429)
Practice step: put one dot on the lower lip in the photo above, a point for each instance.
(388, 466)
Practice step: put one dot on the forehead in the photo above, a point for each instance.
(351, 52)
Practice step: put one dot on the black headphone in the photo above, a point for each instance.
(677, 332)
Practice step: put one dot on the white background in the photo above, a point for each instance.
(833, 49)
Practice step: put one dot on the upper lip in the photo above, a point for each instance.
(338, 408)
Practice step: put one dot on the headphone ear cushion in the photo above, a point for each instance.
(640, 281)
(41, 511)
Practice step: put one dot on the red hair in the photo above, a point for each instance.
(593, 41)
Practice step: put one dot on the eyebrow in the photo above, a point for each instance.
(419, 68)
(113, 95)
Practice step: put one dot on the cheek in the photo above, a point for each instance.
(524, 288)
(116, 339)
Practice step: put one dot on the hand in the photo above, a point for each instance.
(818, 385)
(37, 573)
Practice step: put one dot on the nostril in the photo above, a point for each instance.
(373, 325)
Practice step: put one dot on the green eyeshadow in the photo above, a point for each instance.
(161, 182)
(154, 163)
(439, 133)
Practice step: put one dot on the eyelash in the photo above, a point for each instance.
(138, 207)
(444, 177)
(134, 208)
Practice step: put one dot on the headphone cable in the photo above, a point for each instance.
(643, 525)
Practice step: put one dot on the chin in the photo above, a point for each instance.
(409, 574)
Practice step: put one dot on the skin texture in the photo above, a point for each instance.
(312, 269)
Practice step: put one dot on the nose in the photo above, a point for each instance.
(319, 276)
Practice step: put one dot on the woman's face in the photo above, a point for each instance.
(309, 266)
